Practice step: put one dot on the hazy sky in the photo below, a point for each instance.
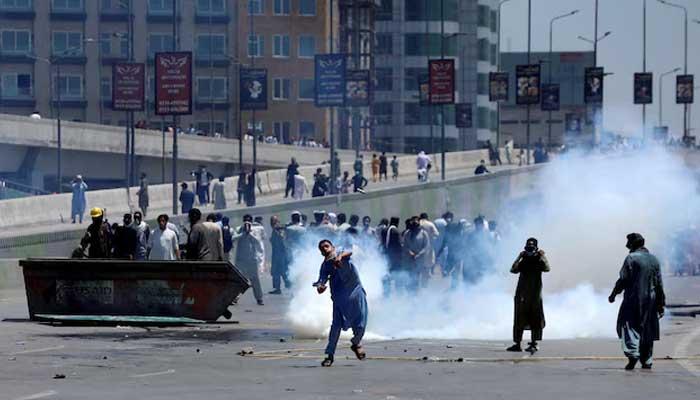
(620, 53)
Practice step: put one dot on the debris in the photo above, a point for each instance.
(20, 343)
(59, 376)
(290, 390)
(104, 357)
(245, 351)
(357, 391)
(449, 346)
(405, 350)
(460, 359)
(425, 358)
(197, 350)
(390, 397)
(248, 310)
(282, 340)
(11, 358)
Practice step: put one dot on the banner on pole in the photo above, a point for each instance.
(463, 115)
(684, 89)
(442, 81)
(329, 80)
(253, 89)
(528, 84)
(173, 83)
(593, 88)
(357, 89)
(128, 86)
(498, 86)
(550, 97)
(643, 84)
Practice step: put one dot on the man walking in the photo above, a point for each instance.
(218, 192)
(186, 198)
(249, 252)
(279, 268)
(417, 252)
(529, 312)
(292, 169)
(642, 305)
(395, 168)
(162, 244)
(383, 164)
(300, 186)
(143, 194)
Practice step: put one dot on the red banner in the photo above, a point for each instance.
(173, 83)
(442, 81)
(128, 86)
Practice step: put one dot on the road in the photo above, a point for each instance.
(201, 362)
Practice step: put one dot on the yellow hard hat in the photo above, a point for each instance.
(95, 212)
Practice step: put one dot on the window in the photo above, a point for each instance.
(205, 126)
(67, 42)
(214, 45)
(307, 129)
(160, 6)
(483, 16)
(69, 86)
(256, 7)
(411, 77)
(415, 114)
(16, 85)
(483, 50)
(306, 89)
(280, 89)
(67, 5)
(280, 46)
(385, 11)
(383, 113)
(482, 84)
(158, 42)
(416, 10)
(482, 118)
(384, 79)
(209, 7)
(307, 7)
(307, 46)
(282, 131)
(494, 53)
(211, 89)
(114, 44)
(419, 44)
(494, 119)
(259, 127)
(385, 43)
(114, 5)
(15, 41)
(282, 7)
(106, 88)
(256, 46)
(494, 21)
(15, 4)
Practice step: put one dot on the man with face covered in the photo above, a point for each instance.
(642, 305)
(529, 312)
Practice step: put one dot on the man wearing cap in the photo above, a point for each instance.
(642, 305)
(529, 312)
(98, 238)
(79, 187)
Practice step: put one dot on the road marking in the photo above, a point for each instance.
(41, 395)
(38, 350)
(681, 352)
(170, 371)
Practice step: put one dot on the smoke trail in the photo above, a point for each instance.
(584, 209)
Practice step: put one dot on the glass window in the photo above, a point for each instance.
(494, 21)
(114, 5)
(383, 113)
(307, 7)
(385, 11)
(16, 85)
(67, 43)
(211, 89)
(483, 16)
(67, 5)
(307, 129)
(160, 6)
(483, 50)
(105, 88)
(256, 7)
(494, 119)
(306, 89)
(256, 46)
(482, 84)
(280, 89)
(411, 76)
(114, 44)
(16, 4)
(282, 131)
(280, 46)
(214, 45)
(494, 53)
(259, 127)
(415, 114)
(307, 46)
(15, 41)
(385, 43)
(205, 126)
(70, 86)
(211, 7)
(158, 42)
(385, 79)
(419, 44)
(416, 10)
(282, 7)
(482, 118)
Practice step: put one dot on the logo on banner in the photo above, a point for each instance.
(593, 89)
(128, 91)
(442, 81)
(498, 86)
(550, 97)
(329, 80)
(643, 84)
(173, 83)
(253, 89)
(528, 84)
(684, 89)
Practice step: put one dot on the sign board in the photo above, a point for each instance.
(424, 90)
(593, 88)
(128, 86)
(463, 115)
(684, 89)
(550, 97)
(643, 88)
(498, 86)
(173, 83)
(329, 80)
(253, 89)
(528, 84)
(357, 93)
(442, 81)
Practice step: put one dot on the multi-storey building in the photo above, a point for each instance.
(409, 33)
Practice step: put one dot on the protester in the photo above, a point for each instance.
(529, 312)
(320, 187)
(98, 237)
(125, 239)
(249, 252)
(279, 268)
(292, 170)
(383, 164)
(509, 151)
(186, 198)
(359, 183)
(393, 248)
(375, 168)
(227, 237)
(205, 241)
(348, 296)
(218, 192)
(417, 253)
(359, 165)
(395, 168)
(423, 162)
(481, 169)
(250, 189)
(300, 186)
(142, 234)
(433, 235)
(451, 243)
(344, 183)
(78, 202)
(202, 179)
(642, 305)
(367, 231)
(143, 194)
(162, 243)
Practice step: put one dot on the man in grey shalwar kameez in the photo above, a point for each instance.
(642, 305)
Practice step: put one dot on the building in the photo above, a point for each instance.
(408, 35)
(83, 38)
(568, 70)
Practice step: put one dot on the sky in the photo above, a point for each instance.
(620, 53)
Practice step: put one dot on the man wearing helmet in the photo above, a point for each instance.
(98, 238)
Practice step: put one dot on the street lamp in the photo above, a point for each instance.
(236, 79)
(661, 90)
(551, 64)
(498, 54)
(685, 58)
(597, 114)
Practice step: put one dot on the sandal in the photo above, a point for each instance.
(327, 362)
(359, 352)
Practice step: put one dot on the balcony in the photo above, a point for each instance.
(69, 59)
(114, 15)
(17, 13)
(19, 100)
(9, 57)
(161, 16)
(68, 14)
(217, 60)
(70, 102)
(214, 18)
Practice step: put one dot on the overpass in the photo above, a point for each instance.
(28, 152)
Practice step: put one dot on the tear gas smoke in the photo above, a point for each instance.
(581, 214)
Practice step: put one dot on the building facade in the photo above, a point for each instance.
(409, 33)
(573, 123)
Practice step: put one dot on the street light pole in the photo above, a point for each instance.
(685, 59)
(661, 97)
(551, 64)
(529, 53)
(498, 55)
(442, 106)
(174, 173)
(644, 66)
(59, 146)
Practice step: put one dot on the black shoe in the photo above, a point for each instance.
(532, 348)
(260, 303)
(276, 291)
(631, 364)
(327, 362)
(515, 348)
(646, 366)
(227, 314)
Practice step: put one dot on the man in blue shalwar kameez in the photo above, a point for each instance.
(349, 299)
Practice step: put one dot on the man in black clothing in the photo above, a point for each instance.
(383, 164)
(481, 169)
(125, 239)
(320, 184)
(98, 237)
(292, 170)
(359, 183)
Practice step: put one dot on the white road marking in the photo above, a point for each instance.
(170, 371)
(38, 350)
(40, 395)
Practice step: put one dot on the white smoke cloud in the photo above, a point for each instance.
(584, 210)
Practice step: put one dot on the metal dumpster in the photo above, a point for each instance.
(189, 289)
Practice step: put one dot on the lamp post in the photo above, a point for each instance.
(685, 58)
(235, 83)
(498, 55)
(661, 90)
(461, 88)
(529, 53)
(644, 66)
(551, 65)
(594, 42)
